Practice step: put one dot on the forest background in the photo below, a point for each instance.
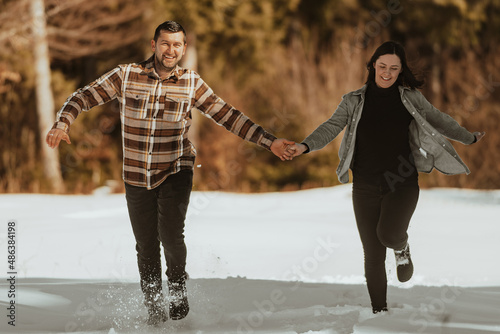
(284, 63)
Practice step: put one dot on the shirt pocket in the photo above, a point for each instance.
(136, 104)
(175, 108)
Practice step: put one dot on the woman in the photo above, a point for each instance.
(392, 133)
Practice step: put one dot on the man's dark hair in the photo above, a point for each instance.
(406, 77)
(170, 26)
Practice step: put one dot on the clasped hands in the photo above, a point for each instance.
(286, 149)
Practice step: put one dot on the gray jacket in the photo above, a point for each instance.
(428, 130)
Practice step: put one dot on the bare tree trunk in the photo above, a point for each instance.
(437, 95)
(44, 97)
(190, 61)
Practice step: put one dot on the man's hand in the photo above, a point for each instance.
(55, 136)
(280, 148)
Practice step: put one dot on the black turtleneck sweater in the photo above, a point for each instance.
(382, 150)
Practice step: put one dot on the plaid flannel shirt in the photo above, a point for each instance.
(156, 117)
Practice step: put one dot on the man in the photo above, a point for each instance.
(156, 98)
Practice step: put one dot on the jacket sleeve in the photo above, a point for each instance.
(330, 129)
(227, 116)
(102, 90)
(444, 123)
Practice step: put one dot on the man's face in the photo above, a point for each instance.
(168, 49)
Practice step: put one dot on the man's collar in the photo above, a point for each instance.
(148, 67)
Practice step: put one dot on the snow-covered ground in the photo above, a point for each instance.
(262, 263)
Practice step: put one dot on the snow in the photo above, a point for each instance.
(286, 262)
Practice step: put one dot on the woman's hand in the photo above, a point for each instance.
(479, 135)
(296, 149)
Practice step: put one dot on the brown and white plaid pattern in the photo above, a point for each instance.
(156, 117)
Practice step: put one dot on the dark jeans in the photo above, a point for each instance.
(382, 216)
(158, 215)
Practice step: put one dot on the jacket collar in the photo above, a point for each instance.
(148, 69)
(403, 88)
(362, 90)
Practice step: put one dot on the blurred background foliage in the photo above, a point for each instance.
(284, 63)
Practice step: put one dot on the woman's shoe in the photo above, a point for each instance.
(404, 264)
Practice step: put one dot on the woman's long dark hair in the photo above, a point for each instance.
(406, 77)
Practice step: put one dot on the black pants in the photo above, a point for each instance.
(382, 216)
(158, 215)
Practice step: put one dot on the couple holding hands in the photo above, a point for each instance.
(391, 133)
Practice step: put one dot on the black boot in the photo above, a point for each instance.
(404, 264)
(178, 302)
(155, 303)
(157, 313)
